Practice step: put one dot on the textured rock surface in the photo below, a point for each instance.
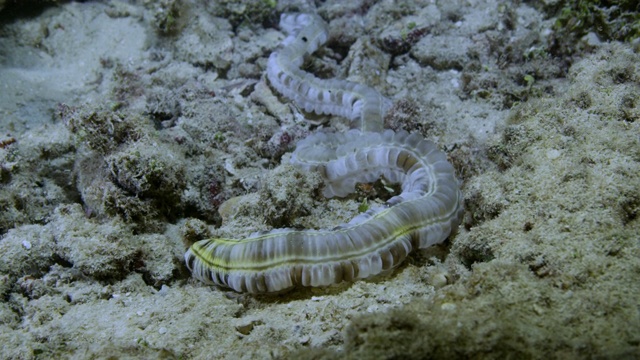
(544, 139)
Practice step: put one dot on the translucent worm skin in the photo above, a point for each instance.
(425, 213)
(363, 105)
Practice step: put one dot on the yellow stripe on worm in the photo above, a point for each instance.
(426, 211)
(423, 214)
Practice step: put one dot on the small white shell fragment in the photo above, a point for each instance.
(448, 307)
(553, 154)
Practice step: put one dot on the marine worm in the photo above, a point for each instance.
(426, 212)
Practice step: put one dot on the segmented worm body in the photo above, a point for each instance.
(425, 213)
(363, 105)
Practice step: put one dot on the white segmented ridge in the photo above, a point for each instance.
(364, 106)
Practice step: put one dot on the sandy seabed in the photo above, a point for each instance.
(127, 126)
